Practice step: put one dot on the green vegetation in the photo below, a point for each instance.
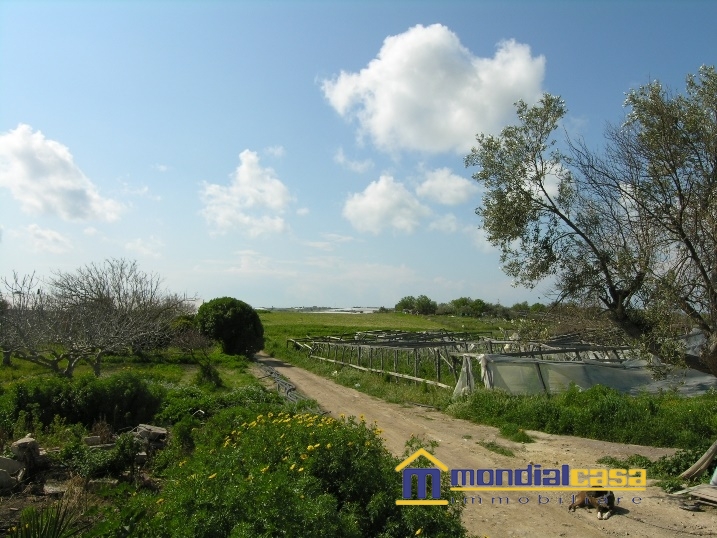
(233, 323)
(495, 447)
(56, 521)
(317, 477)
(666, 469)
(515, 433)
(666, 419)
(240, 461)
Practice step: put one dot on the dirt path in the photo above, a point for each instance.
(654, 515)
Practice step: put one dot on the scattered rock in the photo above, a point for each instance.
(11, 466)
(93, 440)
(151, 433)
(7, 482)
(27, 450)
(96, 485)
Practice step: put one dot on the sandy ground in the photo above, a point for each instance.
(654, 515)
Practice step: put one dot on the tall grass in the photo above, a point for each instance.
(665, 420)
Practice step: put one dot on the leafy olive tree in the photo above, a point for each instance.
(632, 227)
(232, 322)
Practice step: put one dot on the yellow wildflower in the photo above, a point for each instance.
(212, 476)
(160, 501)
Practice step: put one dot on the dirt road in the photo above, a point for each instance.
(648, 514)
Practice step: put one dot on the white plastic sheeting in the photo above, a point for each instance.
(524, 375)
(466, 381)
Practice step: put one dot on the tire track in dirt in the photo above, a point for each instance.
(656, 516)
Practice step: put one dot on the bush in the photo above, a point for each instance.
(122, 400)
(277, 473)
(93, 462)
(233, 323)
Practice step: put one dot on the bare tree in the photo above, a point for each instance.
(24, 320)
(84, 315)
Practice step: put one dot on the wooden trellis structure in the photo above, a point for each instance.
(420, 357)
(425, 356)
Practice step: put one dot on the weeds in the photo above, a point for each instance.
(514, 433)
(666, 419)
(57, 521)
(495, 447)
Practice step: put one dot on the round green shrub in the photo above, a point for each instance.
(233, 323)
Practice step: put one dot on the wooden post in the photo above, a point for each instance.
(438, 366)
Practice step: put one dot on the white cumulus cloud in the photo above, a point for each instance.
(251, 203)
(425, 91)
(384, 204)
(445, 187)
(42, 176)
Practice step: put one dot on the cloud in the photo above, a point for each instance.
(330, 241)
(160, 167)
(303, 211)
(149, 247)
(252, 202)
(384, 204)
(425, 91)
(43, 240)
(445, 187)
(446, 223)
(140, 192)
(275, 151)
(354, 166)
(42, 176)
(479, 238)
(251, 263)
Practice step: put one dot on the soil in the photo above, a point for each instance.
(649, 514)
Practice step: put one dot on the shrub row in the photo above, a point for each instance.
(122, 400)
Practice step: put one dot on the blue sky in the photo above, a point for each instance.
(298, 153)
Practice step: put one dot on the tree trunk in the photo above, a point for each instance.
(6, 358)
(709, 355)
